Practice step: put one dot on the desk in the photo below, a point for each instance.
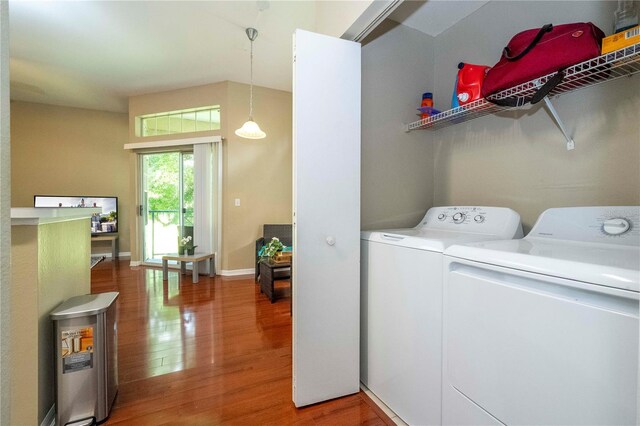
(195, 259)
(267, 267)
(114, 243)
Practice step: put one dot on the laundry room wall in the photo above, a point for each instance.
(397, 167)
(518, 159)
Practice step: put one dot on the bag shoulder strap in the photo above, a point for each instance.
(536, 97)
(507, 53)
(547, 87)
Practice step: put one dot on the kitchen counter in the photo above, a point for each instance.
(42, 215)
(50, 262)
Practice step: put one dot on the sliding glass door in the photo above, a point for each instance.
(167, 202)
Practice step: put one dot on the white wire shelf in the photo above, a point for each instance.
(610, 66)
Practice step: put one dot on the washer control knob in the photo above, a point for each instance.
(616, 226)
(459, 217)
(479, 219)
(442, 216)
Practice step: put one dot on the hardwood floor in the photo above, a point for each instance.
(217, 352)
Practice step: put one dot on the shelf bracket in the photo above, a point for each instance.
(570, 142)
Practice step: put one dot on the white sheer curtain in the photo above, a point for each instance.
(204, 232)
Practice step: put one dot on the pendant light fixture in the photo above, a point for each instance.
(250, 129)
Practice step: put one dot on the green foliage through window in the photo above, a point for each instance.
(162, 176)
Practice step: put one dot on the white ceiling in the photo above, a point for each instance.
(434, 16)
(95, 54)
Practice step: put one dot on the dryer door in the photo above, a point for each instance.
(533, 349)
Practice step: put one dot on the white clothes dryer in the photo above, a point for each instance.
(401, 304)
(544, 330)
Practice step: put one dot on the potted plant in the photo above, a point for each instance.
(272, 250)
(186, 246)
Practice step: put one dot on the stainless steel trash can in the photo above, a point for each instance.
(86, 339)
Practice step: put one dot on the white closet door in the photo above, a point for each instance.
(326, 208)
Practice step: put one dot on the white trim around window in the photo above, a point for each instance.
(173, 142)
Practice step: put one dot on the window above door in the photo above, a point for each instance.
(181, 121)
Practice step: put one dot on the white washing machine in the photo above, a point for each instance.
(544, 330)
(401, 304)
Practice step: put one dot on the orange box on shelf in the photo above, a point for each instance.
(620, 40)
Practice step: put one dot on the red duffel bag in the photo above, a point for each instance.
(538, 52)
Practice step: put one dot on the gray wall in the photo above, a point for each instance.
(523, 163)
(5, 219)
(480, 37)
(397, 167)
(516, 159)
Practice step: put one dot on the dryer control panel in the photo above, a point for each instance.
(609, 224)
(497, 221)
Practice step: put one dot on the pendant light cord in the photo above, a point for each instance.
(251, 87)
(250, 129)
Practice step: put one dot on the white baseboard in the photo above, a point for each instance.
(384, 407)
(120, 254)
(135, 263)
(236, 272)
(108, 254)
(50, 418)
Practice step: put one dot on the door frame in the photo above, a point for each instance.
(136, 222)
(142, 202)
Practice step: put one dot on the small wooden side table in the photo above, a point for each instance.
(195, 259)
(267, 267)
